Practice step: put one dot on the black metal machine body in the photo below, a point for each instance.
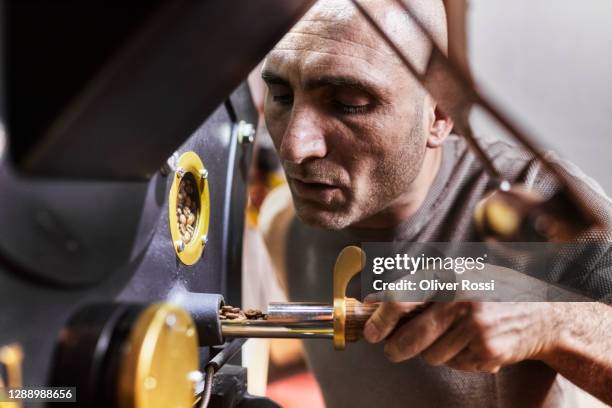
(98, 101)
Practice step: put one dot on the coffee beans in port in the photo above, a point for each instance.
(187, 207)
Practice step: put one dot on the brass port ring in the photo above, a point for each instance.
(190, 165)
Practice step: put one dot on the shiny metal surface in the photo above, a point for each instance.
(278, 329)
(299, 311)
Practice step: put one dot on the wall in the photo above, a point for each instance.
(548, 63)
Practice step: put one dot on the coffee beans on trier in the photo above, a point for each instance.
(235, 313)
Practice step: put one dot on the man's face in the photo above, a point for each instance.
(346, 118)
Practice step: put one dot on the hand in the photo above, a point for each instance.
(473, 336)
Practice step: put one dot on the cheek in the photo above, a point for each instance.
(276, 123)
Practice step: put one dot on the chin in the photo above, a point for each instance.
(321, 218)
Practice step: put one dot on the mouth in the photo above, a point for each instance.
(314, 190)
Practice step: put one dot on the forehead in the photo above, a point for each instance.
(328, 43)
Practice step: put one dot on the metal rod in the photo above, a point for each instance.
(272, 329)
(300, 312)
(472, 97)
(286, 320)
(488, 164)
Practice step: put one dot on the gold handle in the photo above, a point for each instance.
(348, 264)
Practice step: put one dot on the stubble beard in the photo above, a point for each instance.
(390, 179)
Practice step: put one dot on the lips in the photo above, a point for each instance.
(313, 190)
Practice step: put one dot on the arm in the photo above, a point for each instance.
(573, 338)
(583, 352)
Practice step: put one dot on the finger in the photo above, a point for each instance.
(449, 344)
(420, 332)
(471, 360)
(465, 360)
(385, 318)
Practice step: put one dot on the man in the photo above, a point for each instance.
(369, 157)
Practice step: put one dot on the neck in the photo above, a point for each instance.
(406, 205)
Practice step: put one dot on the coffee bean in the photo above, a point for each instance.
(235, 313)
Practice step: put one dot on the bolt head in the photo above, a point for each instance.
(246, 132)
(150, 383)
(170, 320)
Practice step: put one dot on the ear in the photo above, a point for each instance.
(440, 126)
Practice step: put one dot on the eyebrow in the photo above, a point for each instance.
(323, 81)
(342, 81)
(271, 78)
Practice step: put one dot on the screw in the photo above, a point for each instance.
(170, 164)
(180, 245)
(204, 239)
(150, 383)
(165, 169)
(246, 132)
(204, 173)
(170, 320)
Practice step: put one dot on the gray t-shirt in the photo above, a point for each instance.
(361, 376)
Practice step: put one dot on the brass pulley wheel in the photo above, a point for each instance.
(160, 354)
(189, 208)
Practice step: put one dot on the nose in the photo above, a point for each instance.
(304, 137)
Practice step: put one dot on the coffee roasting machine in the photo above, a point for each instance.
(115, 116)
(125, 140)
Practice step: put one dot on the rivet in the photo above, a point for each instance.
(170, 320)
(180, 245)
(150, 383)
(204, 173)
(204, 239)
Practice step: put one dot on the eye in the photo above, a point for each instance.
(350, 109)
(351, 101)
(285, 100)
(281, 94)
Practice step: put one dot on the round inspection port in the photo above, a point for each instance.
(189, 208)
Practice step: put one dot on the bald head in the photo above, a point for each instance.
(349, 121)
(341, 19)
